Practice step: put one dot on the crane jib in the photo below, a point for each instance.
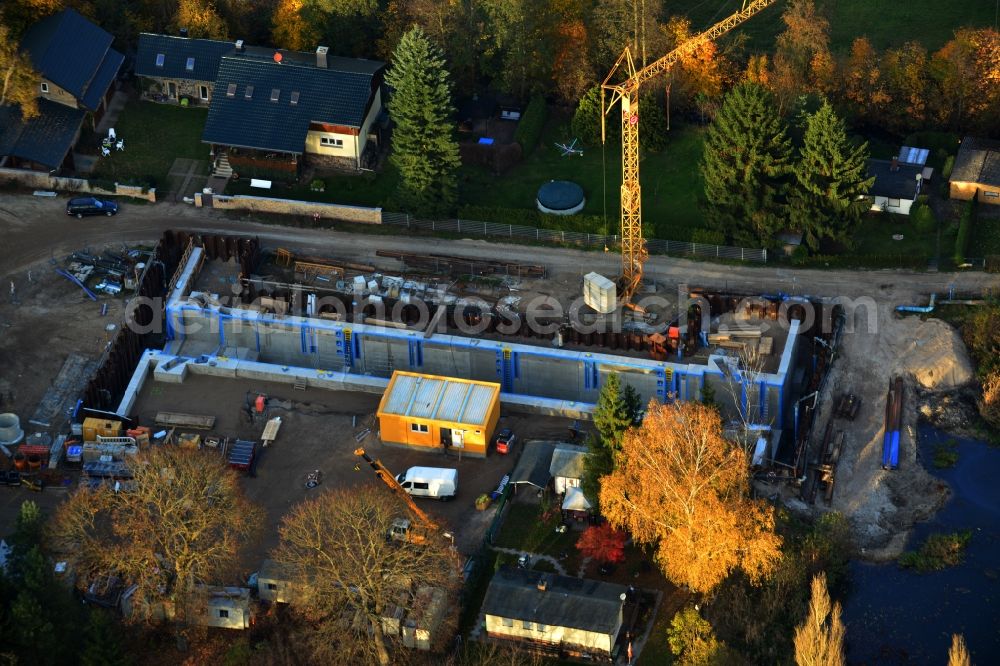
(626, 93)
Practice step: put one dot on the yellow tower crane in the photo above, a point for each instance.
(627, 92)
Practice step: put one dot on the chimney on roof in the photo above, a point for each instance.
(239, 44)
(543, 583)
(894, 166)
(184, 32)
(321, 52)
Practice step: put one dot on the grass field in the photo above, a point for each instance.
(986, 233)
(875, 238)
(366, 190)
(670, 182)
(887, 23)
(154, 134)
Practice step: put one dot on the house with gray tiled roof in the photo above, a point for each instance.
(277, 110)
(271, 111)
(175, 67)
(78, 69)
(554, 614)
(977, 171)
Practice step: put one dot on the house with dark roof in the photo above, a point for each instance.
(78, 69)
(558, 614)
(275, 110)
(896, 185)
(977, 171)
(172, 68)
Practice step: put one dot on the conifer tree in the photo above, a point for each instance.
(424, 147)
(745, 167)
(831, 180)
(616, 410)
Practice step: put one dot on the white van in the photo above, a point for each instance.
(436, 482)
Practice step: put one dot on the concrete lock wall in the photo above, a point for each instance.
(293, 207)
(522, 370)
(44, 181)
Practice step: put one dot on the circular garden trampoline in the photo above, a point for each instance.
(560, 197)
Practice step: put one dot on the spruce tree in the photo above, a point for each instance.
(831, 180)
(745, 166)
(616, 410)
(424, 147)
(102, 644)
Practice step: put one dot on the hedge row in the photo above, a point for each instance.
(964, 232)
(529, 128)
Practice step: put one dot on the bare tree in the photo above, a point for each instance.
(181, 522)
(819, 640)
(958, 654)
(351, 577)
(492, 653)
(743, 374)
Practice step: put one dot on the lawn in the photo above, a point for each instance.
(154, 134)
(670, 182)
(875, 238)
(887, 23)
(528, 527)
(985, 233)
(366, 190)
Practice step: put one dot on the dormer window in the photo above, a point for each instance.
(159, 59)
(189, 66)
(249, 92)
(231, 90)
(275, 93)
(295, 97)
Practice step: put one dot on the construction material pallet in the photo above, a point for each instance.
(271, 430)
(114, 469)
(181, 420)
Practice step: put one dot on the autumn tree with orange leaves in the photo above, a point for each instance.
(699, 77)
(681, 487)
(802, 62)
(966, 74)
(182, 521)
(864, 86)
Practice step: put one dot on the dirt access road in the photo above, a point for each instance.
(35, 229)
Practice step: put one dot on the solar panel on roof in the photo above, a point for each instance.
(916, 156)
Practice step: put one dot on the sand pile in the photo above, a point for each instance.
(934, 354)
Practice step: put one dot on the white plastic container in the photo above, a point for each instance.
(600, 293)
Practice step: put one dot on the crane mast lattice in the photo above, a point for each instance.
(626, 92)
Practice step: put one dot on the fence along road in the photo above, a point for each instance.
(37, 229)
(496, 230)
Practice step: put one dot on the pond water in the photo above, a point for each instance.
(897, 616)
